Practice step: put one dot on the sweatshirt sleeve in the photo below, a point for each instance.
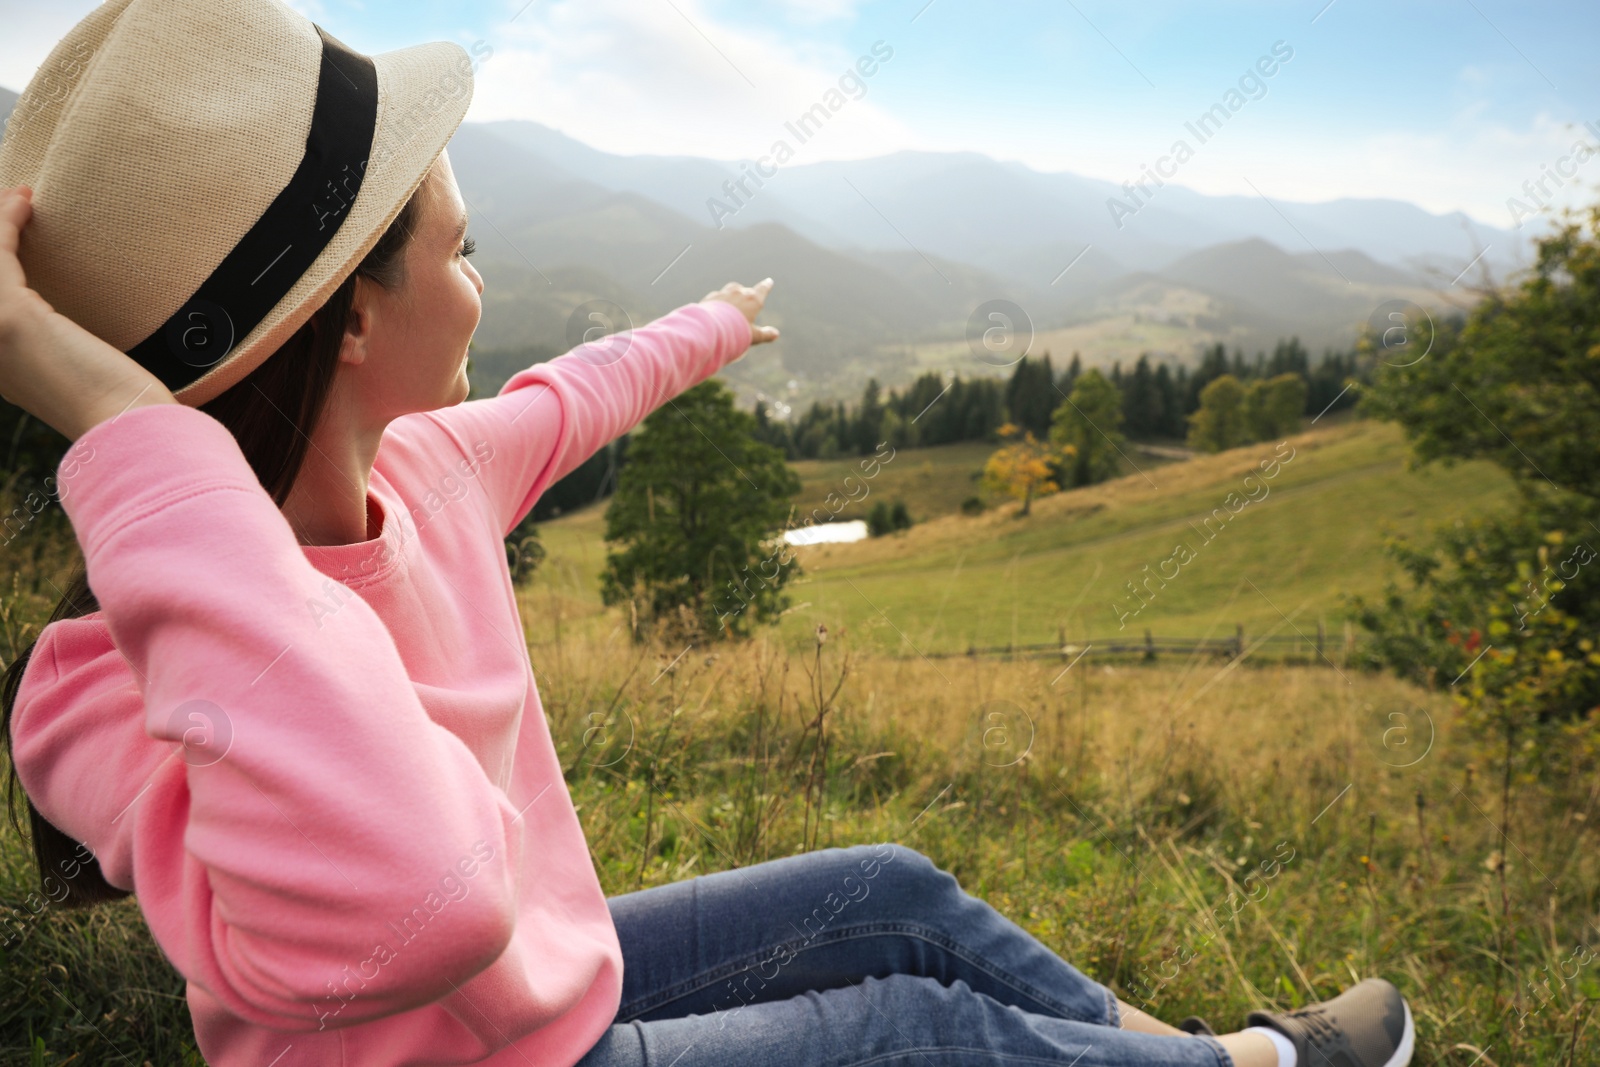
(307, 796)
(550, 417)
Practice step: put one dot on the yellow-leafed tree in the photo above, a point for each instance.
(1024, 467)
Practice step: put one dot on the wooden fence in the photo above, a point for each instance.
(1312, 648)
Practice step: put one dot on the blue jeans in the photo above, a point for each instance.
(866, 955)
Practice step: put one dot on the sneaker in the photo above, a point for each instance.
(1368, 1025)
(1196, 1025)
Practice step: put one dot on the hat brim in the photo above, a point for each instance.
(423, 94)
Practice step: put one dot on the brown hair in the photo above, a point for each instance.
(271, 413)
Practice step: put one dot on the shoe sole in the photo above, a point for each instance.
(1408, 1041)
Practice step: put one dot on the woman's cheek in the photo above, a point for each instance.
(474, 291)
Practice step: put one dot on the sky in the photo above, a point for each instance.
(1448, 104)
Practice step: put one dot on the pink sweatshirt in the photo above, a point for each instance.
(325, 770)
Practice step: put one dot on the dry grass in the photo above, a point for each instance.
(1113, 811)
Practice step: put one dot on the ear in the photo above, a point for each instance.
(359, 324)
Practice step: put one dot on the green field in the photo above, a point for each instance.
(1280, 565)
(932, 481)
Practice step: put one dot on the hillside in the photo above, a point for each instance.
(990, 579)
(881, 262)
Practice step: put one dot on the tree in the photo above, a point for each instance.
(1169, 390)
(1213, 365)
(1087, 430)
(524, 550)
(1289, 357)
(1507, 605)
(1220, 423)
(772, 433)
(1069, 377)
(1022, 468)
(1031, 395)
(869, 419)
(1272, 407)
(696, 515)
(1143, 405)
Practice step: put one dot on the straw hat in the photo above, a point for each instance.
(207, 172)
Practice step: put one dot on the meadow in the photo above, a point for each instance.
(1284, 562)
(1207, 836)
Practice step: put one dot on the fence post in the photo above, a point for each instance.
(1238, 640)
(1149, 647)
(1320, 635)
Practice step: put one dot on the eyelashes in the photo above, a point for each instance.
(468, 247)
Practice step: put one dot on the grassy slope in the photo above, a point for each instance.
(994, 578)
(932, 481)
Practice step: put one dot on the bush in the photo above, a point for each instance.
(888, 518)
(878, 521)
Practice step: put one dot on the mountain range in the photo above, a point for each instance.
(881, 263)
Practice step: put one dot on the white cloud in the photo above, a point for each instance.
(1471, 163)
(669, 79)
(1478, 166)
(816, 11)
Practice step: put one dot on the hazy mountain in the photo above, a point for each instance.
(1390, 231)
(882, 262)
(548, 243)
(683, 183)
(965, 205)
(1250, 293)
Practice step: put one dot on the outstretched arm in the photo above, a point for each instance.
(552, 416)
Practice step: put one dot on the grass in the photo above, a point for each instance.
(1114, 814)
(1281, 565)
(932, 481)
(1116, 811)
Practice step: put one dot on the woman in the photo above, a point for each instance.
(289, 703)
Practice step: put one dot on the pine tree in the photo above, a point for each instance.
(695, 519)
(1142, 404)
(1031, 394)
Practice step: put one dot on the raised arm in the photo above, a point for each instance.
(552, 416)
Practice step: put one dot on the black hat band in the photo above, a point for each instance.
(289, 236)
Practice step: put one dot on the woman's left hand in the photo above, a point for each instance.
(750, 300)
